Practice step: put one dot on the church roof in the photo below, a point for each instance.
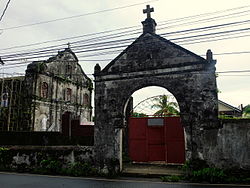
(160, 48)
(151, 52)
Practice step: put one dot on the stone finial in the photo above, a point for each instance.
(209, 55)
(97, 68)
(149, 23)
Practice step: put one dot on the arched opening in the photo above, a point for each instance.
(153, 130)
(66, 124)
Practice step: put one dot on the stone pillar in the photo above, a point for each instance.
(108, 131)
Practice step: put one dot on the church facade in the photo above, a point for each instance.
(49, 90)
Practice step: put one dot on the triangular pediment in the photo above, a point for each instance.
(150, 52)
(63, 65)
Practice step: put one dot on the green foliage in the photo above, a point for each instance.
(80, 169)
(126, 158)
(41, 67)
(46, 165)
(112, 172)
(3, 149)
(198, 171)
(5, 158)
(89, 85)
(165, 107)
(246, 180)
(231, 117)
(23, 167)
(195, 164)
(246, 111)
(172, 178)
(211, 175)
(136, 114)
(74, 169)
(51, 166)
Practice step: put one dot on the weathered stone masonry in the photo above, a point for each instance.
(154, 61)
(50, 88)
(68, 90)
(229, 146)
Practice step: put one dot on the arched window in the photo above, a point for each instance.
(44, 90)
(86, 99)
(4, 101)
(68, 71)
(68, 94)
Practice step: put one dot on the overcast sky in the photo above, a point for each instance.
(234, 87)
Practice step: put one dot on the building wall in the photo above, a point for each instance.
(67, 89)
(40, 108)
(52, 108)
(229, 146)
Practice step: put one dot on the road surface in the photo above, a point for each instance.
(13, 180)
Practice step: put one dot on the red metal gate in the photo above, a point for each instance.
(156, 139)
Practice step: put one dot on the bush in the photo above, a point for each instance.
(5, 158)
(172, 178)
(80, 169)
(212, 175)
(51, 166)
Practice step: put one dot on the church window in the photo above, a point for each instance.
(68, 71)
(4, 101)
(86, 99)
(44, 90)
(68, 94)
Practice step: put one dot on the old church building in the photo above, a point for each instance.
(50, 92)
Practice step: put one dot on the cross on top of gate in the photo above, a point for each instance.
(148, 10)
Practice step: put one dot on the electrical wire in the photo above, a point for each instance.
(21, 64)
(164, 22)
(77, 16)
(112, 42)
(101, 47)
(4, 11)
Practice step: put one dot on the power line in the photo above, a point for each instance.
(99, 44)
(21, 64)
(211, 19)
(164, 23)
(209, 34)
(213, 40)
(112, 45)
(220, 72)
(4, 11)
(77, 16)
(233, 71)
(242, 75)
(32, 56)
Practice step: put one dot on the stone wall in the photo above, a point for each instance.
(229, 146)
(33, 155)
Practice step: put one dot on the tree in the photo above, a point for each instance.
(246, 111)
(165, 106)
(136, 114)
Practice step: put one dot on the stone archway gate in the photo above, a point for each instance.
(153, 61)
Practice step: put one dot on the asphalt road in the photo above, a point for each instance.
(11, 180)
